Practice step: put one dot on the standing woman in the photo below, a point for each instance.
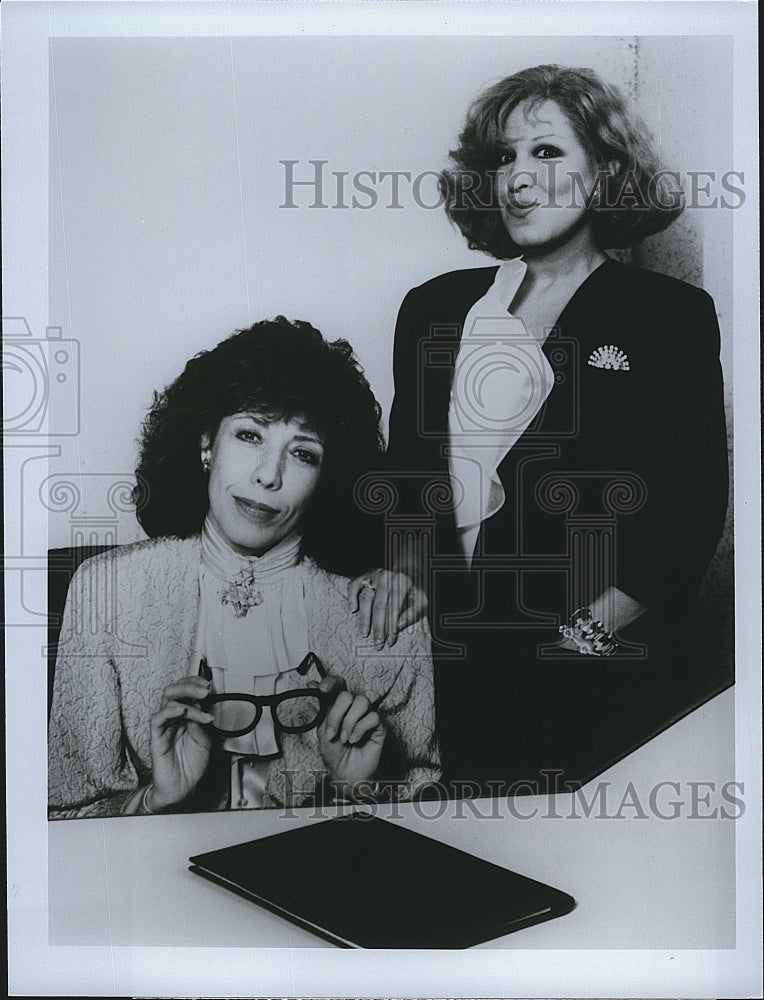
(570, 406)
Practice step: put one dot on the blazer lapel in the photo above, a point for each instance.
(567, 349)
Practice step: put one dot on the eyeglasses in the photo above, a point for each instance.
(296, 711)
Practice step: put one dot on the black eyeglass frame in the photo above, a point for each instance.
(271, 701)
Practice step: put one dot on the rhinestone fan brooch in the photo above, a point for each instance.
(242, 594)
(610, 357)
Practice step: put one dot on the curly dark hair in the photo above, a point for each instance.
(284, 370)
(634, 201)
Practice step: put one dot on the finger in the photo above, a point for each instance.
(190, 678)
(172, 722)
(382, 614)
(194, 714)
(357, 586)
(397, 600)
(414, 611)
(168, 712)
(400, 597)
(367, 602)
(364, 727)
(331, 684)
(356, 710)
(175, 712)
(354, 590)
(189, 685)
(164, 723)
(190, 688)
(336, 714)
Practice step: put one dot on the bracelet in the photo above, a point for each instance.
(145, 801)
(590, 636)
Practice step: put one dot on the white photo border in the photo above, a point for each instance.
(35, 967)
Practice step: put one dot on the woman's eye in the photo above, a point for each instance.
(505, 158)
(307, 457)
(548, 152)
(248, 434)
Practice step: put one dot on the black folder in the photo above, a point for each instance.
(362, 882)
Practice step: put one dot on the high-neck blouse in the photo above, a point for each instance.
(253, 633)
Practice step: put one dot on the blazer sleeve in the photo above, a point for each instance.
(90, 773)
(677, 444)
(413, 452)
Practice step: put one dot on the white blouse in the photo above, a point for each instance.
(501, 381)
(253, 633)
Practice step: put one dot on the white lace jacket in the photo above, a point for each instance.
(127, 632)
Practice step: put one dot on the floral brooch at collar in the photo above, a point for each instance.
(242, 593)
(610, 357)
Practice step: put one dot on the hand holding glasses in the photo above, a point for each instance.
(350, 732)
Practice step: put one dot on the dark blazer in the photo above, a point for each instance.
(620, 480)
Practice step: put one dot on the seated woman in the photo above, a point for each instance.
(246, 479)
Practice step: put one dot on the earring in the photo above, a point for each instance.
(206, 461)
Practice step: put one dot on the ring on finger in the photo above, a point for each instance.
(366, 583)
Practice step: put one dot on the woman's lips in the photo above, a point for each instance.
(520, 210)
(257, 511)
